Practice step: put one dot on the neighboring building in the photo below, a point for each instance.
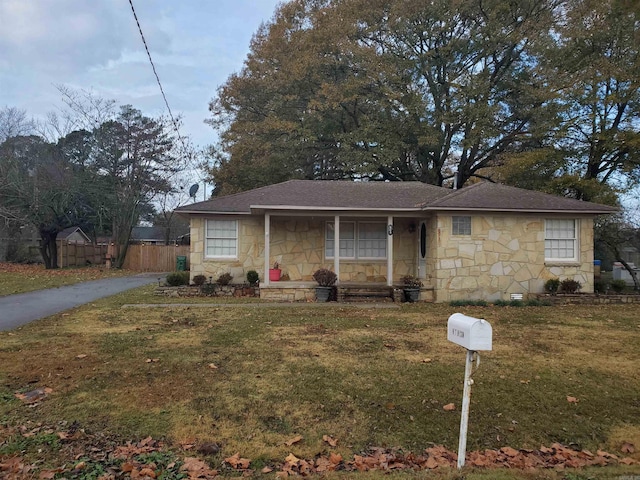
(73, 235)
(485, 241)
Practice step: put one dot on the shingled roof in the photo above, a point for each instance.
(486, 196)
(325, 195)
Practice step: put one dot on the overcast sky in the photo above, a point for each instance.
(95, 45)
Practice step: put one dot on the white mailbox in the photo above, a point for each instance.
(471, 333)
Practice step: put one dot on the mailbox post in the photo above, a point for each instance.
(474, 334)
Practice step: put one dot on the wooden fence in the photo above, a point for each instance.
(80, 254)
(155, 258)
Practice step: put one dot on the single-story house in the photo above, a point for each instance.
(485, 241)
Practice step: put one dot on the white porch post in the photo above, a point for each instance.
(390, 251)
(336, 247)
(267, 230)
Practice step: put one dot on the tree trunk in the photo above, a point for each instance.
(49, 248)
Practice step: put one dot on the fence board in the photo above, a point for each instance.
(80, 254)
(154, 258)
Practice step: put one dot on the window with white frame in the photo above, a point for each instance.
(357, 240)
(461, 225)
(560, 239)
(372, 240)
(221, 240)
(347, 240)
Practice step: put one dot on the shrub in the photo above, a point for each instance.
(252, 277)
(411, 282)
(618, 285)
(199, 280)
(325, 277)
(175, 279)
(569, 285)
(600, 286)
(207, 289)
(224, 279)
(552, 285)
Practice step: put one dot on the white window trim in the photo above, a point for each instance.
(206, 229)
(356, 249)
(576, 242)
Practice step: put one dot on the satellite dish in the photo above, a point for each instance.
(193, 190)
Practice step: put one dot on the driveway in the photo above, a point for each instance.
(22, 308)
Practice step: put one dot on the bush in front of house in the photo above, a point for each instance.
(252, 277)
(325, 277)
(199, 280)
(551, 286)
(569, 285)
(224, 279)
(618, 285)
(600, 286)
(175, 279)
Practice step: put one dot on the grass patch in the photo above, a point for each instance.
(19, 278)
(250, 379)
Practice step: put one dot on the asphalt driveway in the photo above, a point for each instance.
(22, 308)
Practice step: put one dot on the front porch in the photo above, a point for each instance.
(299, 291)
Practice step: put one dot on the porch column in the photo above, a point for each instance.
(389, 251)
(267, 230)
(336, 247)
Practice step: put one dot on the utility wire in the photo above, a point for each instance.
(173, 120)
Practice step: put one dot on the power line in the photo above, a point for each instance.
(173, 120)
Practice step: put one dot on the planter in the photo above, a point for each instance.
(274, 274)
(412, 295)
(323, 293)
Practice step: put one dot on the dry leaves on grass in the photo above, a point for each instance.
(132, 466)
(34, 396)
(238, 463)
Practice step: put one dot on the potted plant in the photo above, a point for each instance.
(411, 288)
(275, 273)
(326, 280)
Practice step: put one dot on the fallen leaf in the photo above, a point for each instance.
(426, 360)
(266, 470)
(34, 395)
(330, 440)
(449, 407)
(212, 366)
(293, 440)
(572, 399)
(237, 462)
(82, 355)
(291, 458)
(627, 448)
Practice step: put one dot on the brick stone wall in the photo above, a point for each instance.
(503, 255)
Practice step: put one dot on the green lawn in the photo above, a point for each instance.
(252, 379)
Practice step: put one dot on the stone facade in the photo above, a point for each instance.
(297, 244)
(503, 255)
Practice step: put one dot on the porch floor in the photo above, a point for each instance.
(345, 291)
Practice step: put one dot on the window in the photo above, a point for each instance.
(560, 241)
(221, 239)
(372, 240)
(347, 240)
(357, 240)
(461, 226)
